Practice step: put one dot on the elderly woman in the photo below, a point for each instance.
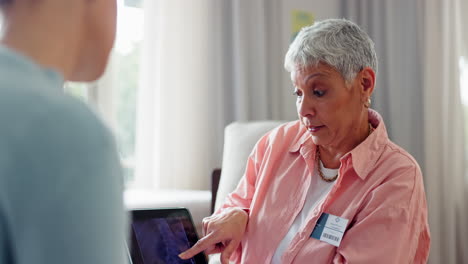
(330, 187)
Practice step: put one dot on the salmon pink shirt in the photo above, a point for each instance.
(379, 190)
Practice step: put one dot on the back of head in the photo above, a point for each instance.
(337, 42)
(78, 46)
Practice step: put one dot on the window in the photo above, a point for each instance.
(125, 69)
(114, 95)
(79, 90)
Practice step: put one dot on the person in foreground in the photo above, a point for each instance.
(330, 187)
(60, 176)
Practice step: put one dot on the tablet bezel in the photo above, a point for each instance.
(190, 230)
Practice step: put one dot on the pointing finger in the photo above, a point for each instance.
(201, 245)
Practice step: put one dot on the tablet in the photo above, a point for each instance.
(160, 235)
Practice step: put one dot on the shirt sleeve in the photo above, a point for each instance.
(391, 227)
(245, 190)
(66, 200)
(243, 194)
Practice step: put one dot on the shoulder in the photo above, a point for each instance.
(33, 98)
(50, 130)
(58, 153)
(277, 142)
(44, 129)
(397, 177)
(395, 160)
(284, 135)
(29, 115)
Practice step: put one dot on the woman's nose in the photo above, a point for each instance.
(305, 107)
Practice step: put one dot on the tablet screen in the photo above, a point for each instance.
(160, 235)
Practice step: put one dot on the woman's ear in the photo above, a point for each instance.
(368, 79)
(367, 83)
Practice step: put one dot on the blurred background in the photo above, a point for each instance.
(181, 70)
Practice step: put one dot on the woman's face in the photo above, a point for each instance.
(328, 107)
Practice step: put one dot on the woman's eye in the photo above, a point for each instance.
(319, 93)
(297, 93)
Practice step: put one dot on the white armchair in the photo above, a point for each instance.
(239, 140)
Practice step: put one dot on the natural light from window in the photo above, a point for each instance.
(129, 28)
(125, 63)
(464, 80)
(464, 98)
(124, 74)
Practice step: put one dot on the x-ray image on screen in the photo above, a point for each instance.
(160, 241)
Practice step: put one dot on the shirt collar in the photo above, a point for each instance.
(301, 139)
(365, 155)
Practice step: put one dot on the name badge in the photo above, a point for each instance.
(330, 229)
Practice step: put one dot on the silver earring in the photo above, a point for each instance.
(368, 103)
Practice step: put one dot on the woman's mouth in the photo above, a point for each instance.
(314, 129)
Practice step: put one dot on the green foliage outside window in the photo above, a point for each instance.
(126, 83)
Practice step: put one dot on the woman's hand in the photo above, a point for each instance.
(222, 233)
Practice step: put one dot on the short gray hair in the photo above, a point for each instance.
(337, 42)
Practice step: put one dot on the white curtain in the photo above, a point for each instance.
(177, 104)
(206, 63)
(445, 169)
(253, 60)
(419, 44)
(394, 27)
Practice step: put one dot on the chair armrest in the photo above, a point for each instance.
(215, 177)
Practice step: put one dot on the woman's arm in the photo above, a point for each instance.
(224, 230)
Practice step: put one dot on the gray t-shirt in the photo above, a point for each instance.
(61, 182)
